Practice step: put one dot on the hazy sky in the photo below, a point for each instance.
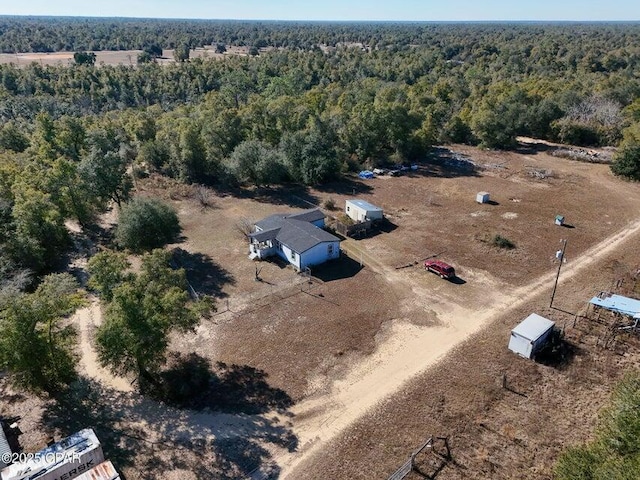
(335, 9)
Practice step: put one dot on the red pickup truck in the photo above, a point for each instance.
(443, 269)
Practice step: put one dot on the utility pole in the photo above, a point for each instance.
(555, 285)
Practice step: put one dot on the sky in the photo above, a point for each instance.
(375, 10)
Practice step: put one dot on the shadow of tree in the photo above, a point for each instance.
(346, 186)
(442, 162)
(293, 196)
(205, 276)
(190, 382)
(87, 405)
(533, 148)
(242, 388)
(152, 438)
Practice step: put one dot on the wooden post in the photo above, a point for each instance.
(504, 381)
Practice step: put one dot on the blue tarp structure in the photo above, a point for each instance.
(618, 303)
(366, 174)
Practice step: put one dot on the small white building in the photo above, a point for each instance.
(482, 197)
(362, 211)
(530, 335)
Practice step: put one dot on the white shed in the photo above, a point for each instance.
(530, 335)
(482, 197)
(362, 211)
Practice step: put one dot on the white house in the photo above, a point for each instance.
(298, 238)
(362, 211)
(530, 335)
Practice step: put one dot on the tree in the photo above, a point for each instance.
(144, 57)
(181, 52)
(84, 58)
(257, 162)
(626, 161)
(154, 50)
(144, 311)
(35, 344)
(146, 223)
(107, 271)
(39, 232)
(104, 168)
(13, 138)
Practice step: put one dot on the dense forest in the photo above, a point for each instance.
(327, 99)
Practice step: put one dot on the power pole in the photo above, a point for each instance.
(555, 285)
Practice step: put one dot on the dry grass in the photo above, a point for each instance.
(305, 340)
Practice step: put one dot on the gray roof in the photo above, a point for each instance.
(295, 231)
(274, 221)
(311, 215)
(365, 205)
(264, 235)
(300, 236)
(533, 327)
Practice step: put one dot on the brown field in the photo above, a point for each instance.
(345, 376)
(113, 57)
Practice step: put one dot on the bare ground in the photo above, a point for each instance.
(354, 348)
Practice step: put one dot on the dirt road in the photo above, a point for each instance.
(87, 319)
(409, 350)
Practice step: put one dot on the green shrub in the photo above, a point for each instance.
(502, 242)
(145, 224)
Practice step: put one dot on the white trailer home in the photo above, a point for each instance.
(362, 211)
(530, 335)
(297, 238)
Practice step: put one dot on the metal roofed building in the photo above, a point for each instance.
(362, 211)
(297, 238)
(617, 303)
(530, 335)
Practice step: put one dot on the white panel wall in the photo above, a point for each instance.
(320, 254)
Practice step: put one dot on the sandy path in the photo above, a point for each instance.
(87, 319)
(409, 350)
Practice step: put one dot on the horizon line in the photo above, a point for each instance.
(202, 19)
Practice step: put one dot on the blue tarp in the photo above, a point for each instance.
(618, 303)
(366, 174)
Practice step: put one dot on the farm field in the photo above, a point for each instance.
(112, 57)
(321, 356)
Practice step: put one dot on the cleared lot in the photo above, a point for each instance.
(339, 346)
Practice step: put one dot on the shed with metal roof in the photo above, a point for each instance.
(617, 303)
(362, 211)
(530, 335)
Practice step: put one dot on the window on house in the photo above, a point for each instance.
(330, 249)
(293, 255)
